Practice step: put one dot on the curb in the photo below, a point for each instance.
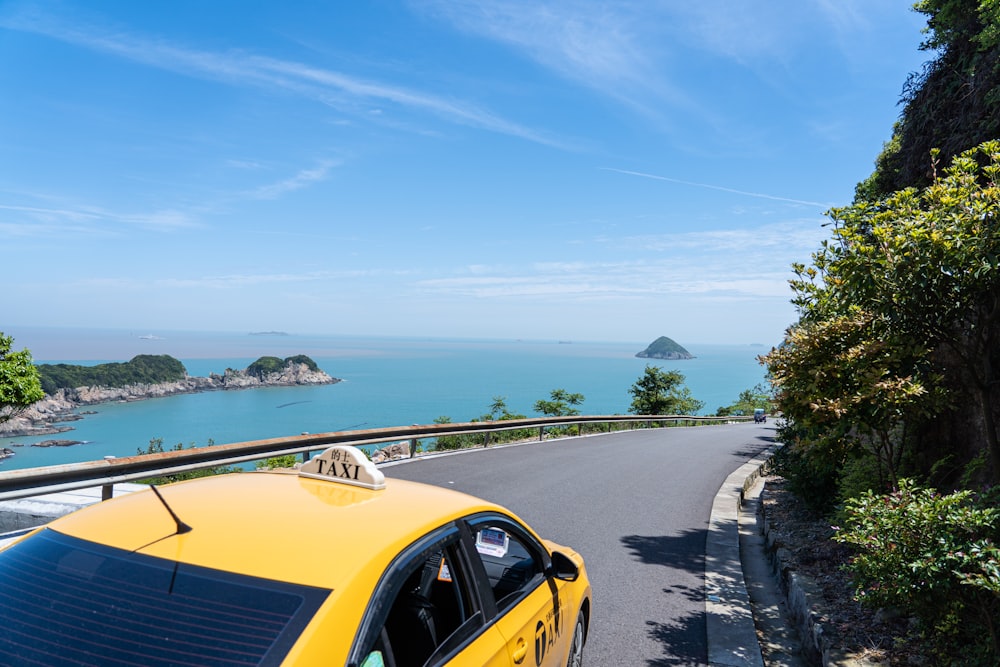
(732, 634)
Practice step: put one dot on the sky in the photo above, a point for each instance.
(580, 170)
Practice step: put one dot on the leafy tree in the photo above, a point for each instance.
(748, 401)
(660, 392)
(561, 404)
(900, 323)
(20, 385)
(498, 408)
(852, 391)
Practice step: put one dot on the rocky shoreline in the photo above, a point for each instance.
(49, 415)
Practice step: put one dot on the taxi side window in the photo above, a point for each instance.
(430, 614)
(513, 561)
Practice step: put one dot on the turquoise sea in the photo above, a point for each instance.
(386, 382)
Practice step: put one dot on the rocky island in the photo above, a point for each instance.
(68, 387)
(664, 348)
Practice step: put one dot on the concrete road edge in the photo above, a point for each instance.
(732, 636)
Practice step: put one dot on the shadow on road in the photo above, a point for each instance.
(683, 552)
(750, 451)
(683, 641)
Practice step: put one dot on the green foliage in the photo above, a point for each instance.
(302, 359)
(155, 446)
(900, 321)
(277, 462)
(265, 366)
(498, 411)
(561, 404)
(748, 401)
(933, 556)
(813, 474)
(142, 369)
(20, 385)
(450, 441)
(660, 392)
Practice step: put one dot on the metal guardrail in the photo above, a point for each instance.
(113, 470)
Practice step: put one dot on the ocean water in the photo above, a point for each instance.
(386, 382)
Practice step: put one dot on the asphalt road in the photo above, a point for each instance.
(636, 505)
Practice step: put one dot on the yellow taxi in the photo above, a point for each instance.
(330, 565)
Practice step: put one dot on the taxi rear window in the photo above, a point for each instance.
(65, 601)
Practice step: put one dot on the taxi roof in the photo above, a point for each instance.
(275, 525)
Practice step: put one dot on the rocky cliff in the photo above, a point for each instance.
(45, 416)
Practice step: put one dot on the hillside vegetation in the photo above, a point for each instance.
(264, 366)
(147, 369)
(890, 379)
(142, 369)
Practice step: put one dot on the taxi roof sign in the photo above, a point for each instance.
(344, 464)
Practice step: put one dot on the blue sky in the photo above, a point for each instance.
(608, 171)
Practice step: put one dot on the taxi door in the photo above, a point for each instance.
(488, 650)
(531, 615)
(535, 628)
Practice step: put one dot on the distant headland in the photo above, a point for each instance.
(664, 348)
(69, 386)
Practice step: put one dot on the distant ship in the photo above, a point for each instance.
(150, 337)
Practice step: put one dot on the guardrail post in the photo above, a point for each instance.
(541, 433)
(107, 492)
(486, 439)
(413, 447)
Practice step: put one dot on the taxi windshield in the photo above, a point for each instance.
(66, 601)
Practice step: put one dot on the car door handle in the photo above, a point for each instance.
(520, 651)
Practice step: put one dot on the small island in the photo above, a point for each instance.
(664, 348)
(70, 386)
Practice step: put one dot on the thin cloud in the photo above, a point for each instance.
(241, 68)
(609, 280)
(39, 221)
(302, 179)
(759, 195)
(793, 238)
(602, 46)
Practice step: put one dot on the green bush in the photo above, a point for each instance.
(156, 447)
(934, 557)
(277, 462)
(812, 471)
